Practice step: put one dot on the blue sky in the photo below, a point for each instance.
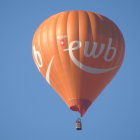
(29, 107)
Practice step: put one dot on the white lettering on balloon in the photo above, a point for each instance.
(48, 70)
(92, 70)
(37, 57)
(109, 48)
(93, 51)
(75, 45)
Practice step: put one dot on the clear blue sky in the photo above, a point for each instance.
(29, 107)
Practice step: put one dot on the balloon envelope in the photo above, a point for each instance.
(78, 53)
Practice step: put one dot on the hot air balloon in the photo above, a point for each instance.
(78, 53)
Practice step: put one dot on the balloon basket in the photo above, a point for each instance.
(78, 124)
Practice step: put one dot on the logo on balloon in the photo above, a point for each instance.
(76, 45)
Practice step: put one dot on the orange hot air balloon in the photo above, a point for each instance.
(78, 53)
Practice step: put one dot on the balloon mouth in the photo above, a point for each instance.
(79, 105)
(74, 108)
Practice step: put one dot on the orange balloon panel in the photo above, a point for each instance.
(78, 53)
